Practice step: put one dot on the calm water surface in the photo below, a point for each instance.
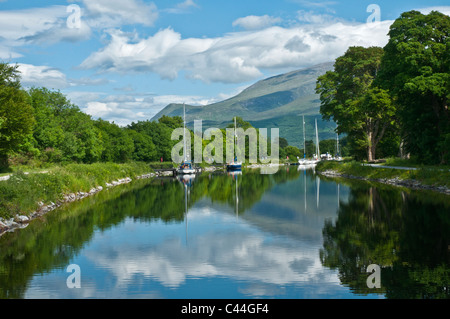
(250, 235)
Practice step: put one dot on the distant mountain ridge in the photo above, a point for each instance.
(278, 101)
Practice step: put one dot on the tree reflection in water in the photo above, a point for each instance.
(406, 233)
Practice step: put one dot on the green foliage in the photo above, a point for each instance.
(283, 142)
(118, 145)
(43, 126)
(22, 193)
(62, 132)
(144, 149)
(363, 111)
(293, 152)
(328, 146)
(160, 134)
(171, 122)
(16, 118)
(416, 69)
(239, 123)
(373, 228)
(9, 76)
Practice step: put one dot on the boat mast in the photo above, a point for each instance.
(237, 198)
(304, 138)
(337, 143)
(235, 139)
(184, 131)
(317, 143)
(186, 211)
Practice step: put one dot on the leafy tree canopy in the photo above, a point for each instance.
(416, 69)
(349, 97)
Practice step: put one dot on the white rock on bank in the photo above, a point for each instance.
(21, 219)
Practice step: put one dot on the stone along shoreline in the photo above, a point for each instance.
(22, 221)
(395, 181)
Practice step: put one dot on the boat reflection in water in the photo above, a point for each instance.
(235, 175)
(186, 180)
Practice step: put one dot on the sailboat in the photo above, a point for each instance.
(235, 165)
(186, 165)
(317, 155)
(338, 156)
(304, 161)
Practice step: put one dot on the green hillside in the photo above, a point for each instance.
(278, 101)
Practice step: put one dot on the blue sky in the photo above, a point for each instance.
(124, 60)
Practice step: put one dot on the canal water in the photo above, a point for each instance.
(290, 235)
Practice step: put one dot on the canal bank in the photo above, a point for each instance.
(414, 178)
(24, 197)
(20, 218)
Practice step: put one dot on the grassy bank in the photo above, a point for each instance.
(22, 192)
(430, 175)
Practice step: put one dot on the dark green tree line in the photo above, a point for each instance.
(395, 98)
(44, 126)
(416, 69)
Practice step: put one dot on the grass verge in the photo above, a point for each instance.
(22, 192)
(430, 175)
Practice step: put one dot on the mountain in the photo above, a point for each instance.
(278, 101)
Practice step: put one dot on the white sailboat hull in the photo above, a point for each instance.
(186, 171)
(307, 162)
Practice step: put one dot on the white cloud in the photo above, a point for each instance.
(40, 25)
(16, 24)
(32, 75)
(256, 22)
(164, 53)
(183, 7)
(81, 98)
(243, 256)
(114, 112)
(126, 108)
(51, 24)
(113, 13)
(8, 52)
(313, 18)
(88, 81)
(42, 75)
(442, 9)
(236, 57)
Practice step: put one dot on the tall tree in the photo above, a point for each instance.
(62, 131)
(16, 114)
(9, 76)
(348, 96)
(118, 145)
(144, 149)
(160, 133)
(416, 69)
